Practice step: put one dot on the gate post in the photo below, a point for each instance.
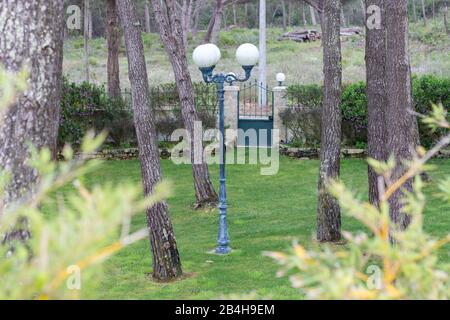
(231, 107)
(280, 103)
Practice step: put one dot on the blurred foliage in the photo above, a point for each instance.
(10, 86)
(81, 231)
(384, 262)
(80, 234)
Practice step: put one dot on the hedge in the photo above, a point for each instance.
(427, 89)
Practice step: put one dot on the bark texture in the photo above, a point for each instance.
(171, 36)
(31, 36)
(166, 259)
(376, 95)
(113, 39)
(328, 211)
(400, 124)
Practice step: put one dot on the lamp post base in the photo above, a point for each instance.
(222, 250)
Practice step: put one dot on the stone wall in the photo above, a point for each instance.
(297, 153)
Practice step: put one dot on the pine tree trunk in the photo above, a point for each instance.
(447, 29)
(91, 27)
(212, 34)
(148, 28)
(363, 8)
(246, 23)
(328, 211)
(166, 259)
(290, 13)
(196, 19)
(113, 39)
(424, 13)
(31, 37)
(313, 16)
(376, 97)
(343, 20)
(170, 32)
(400, 124)
(434, 9)
(414, 10)
(283, 8)
(86, 40)
(305, 23)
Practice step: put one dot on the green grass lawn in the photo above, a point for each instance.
(265, 213)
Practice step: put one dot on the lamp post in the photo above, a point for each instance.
(206, 57)
(281, 77)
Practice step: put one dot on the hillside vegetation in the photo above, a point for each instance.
(301, 62)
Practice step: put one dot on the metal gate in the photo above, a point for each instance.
(255, 105)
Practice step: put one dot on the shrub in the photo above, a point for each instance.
(87, 106)
(430, 89)
(427, 89)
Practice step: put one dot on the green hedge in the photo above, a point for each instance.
(427, 89)
(87, 106)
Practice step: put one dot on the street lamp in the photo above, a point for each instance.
(281, 77)
(206, 57)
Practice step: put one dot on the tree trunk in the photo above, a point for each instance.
(234, 15)
(305, 23)
(212, 34)
(424, 13)
(283, 8)
(328, 211)
(170, 32)
(91, 27)
(447, 29)
(196, 19)
(343, 20)
(400, 124)
(148, 28)
(166, 260)
(290, 13)
(414, 10)
(434, 9)
(225, 19)
(113, 39)
(313, 16)
(186, 14)
(31, 37)
(363, 8)
(86, 40)
(376, 95)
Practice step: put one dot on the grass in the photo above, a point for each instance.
(266, 213)
(301, 62)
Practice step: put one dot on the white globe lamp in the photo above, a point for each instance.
(281, 77)
(247, 55)
(206, 55)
